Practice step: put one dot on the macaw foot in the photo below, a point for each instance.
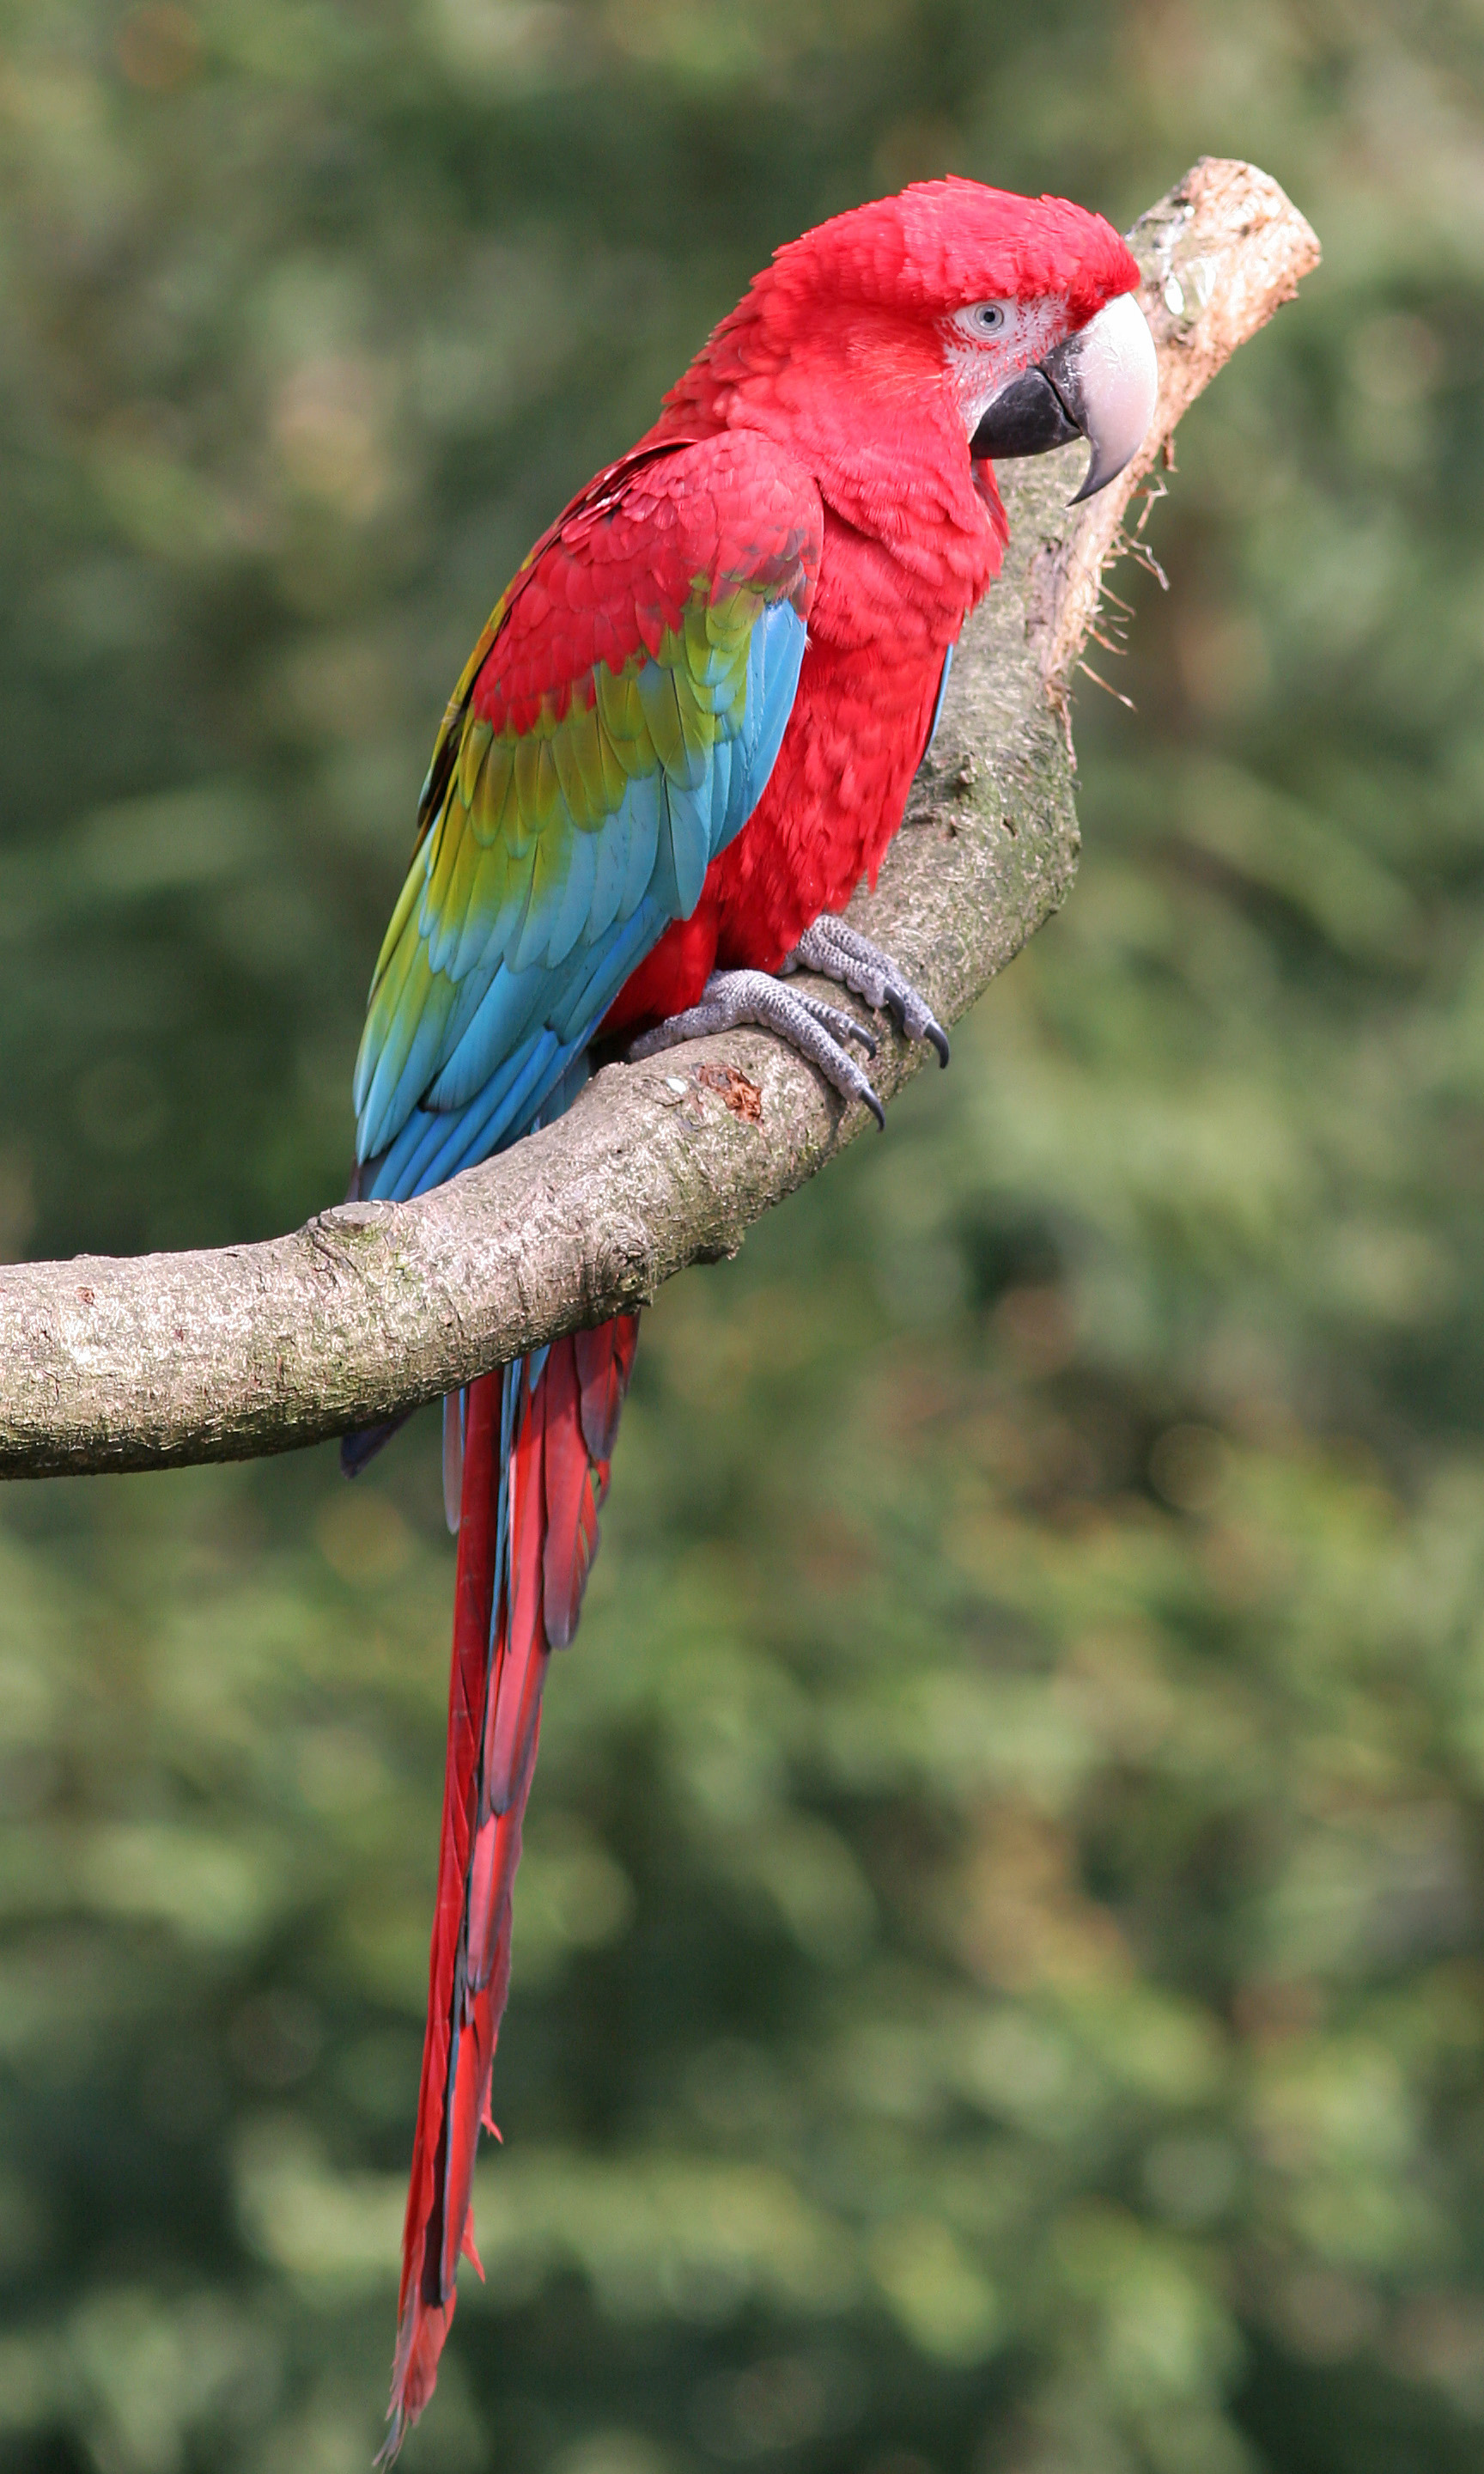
(840, 953)
(816, 1030)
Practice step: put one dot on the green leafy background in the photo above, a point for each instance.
(1000, 1982)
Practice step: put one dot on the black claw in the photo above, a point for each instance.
(875, 1105)
(932, 1031)
(840, 1024)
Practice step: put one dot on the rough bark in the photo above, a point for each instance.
(372, 1307)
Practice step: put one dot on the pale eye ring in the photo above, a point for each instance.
(987, 317)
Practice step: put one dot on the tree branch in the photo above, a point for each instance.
(374, 1307)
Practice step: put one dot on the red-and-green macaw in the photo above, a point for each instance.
(685, 735)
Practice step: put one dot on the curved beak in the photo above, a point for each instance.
(1099, 385)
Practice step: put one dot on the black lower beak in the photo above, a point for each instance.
(1026, 419)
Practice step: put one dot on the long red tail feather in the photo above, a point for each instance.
(516, 1597)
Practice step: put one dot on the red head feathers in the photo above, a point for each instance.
(864, 304)
(942, 243)
(874, 347)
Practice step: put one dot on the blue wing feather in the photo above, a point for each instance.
(437, 1142)
(942, 689)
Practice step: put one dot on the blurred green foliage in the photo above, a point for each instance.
(1000, 1982)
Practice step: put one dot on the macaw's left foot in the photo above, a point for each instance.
(840, 953)
(816, 1030)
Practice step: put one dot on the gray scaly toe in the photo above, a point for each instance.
(817, 1031)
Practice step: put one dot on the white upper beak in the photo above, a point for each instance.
(1108, 375)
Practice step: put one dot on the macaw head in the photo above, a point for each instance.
(1013, 316)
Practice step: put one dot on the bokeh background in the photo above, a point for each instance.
(1000, 1979)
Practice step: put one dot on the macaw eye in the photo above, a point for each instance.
(986, 318)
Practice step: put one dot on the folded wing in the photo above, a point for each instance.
(612, 733)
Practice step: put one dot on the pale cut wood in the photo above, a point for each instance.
(373, 1307)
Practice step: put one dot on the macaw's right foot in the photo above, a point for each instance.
(818, 1030)
(840, 953)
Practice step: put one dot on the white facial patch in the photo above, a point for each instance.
(983, 355)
